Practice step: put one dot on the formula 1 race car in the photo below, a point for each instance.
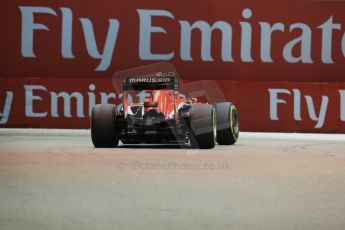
(162, 115)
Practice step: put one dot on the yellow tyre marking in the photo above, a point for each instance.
(232, 108)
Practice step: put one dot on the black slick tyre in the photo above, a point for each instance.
(202, 123)
(103, 131)
(227, 123)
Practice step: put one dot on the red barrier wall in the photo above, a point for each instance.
(281, 62)
(269, 106)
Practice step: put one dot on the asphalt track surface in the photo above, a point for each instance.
(55, 179)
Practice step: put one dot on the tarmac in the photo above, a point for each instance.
(56, 179)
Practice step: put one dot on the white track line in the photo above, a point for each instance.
(294, 136)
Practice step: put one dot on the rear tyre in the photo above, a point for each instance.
(103, 130)
(227, 123)
(203, 126)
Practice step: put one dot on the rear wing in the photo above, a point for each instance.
(159, 80)
(154, 76)
(164, 75)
